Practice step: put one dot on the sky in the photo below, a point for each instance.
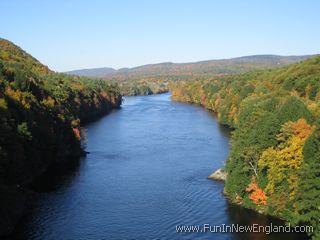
(68, 34)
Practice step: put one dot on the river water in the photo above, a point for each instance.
(145, 174)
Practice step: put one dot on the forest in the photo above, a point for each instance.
(41, 115)
(143, 86)
(274, 163)
(155, 78)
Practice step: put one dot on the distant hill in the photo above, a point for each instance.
(92, 72)
(211, 67)
(223, 66)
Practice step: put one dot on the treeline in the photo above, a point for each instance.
(132, 86)
(203, 68)
(154, 78)
(143, 86)
(274, 163)
(41, 112)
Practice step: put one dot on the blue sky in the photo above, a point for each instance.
(67, 34)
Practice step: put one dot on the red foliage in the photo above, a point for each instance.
(76, 132)
(258, 196)
(203, 99)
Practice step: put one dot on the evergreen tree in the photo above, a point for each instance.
(308, 196)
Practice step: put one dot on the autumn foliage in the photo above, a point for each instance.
(258, 196)
(76, 132)
(40, 115)
(301, 128)
(273, 114)
(283, 161)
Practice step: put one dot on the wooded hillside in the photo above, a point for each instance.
(274, 163)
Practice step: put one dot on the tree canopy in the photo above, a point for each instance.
(274, 161)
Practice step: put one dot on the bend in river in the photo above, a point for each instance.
(146, 173)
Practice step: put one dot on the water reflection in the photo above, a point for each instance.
(146, 173)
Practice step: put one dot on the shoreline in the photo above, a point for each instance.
(153, 93)
(19, 199)
(216, 176)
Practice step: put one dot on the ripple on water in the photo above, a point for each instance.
(146, 173)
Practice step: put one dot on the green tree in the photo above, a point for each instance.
(308, 195)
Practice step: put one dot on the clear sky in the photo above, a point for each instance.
(67, 34)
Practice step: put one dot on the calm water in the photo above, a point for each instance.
(146, 173)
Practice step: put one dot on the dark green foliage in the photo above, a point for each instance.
(23, 131)
(308, 197)
(237, 179)
(256, 131)
(292, 109)
(246, 90)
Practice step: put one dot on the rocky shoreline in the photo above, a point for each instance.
(219, 175)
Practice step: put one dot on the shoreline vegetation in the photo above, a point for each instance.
(41, 116)
(274, 163)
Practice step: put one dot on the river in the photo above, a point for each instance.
(145, 174)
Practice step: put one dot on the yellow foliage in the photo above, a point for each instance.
(314, 108)
(232, 113)
(283, 161)
(3, 103)
(49, 102)
(217, 102)
(18, 96)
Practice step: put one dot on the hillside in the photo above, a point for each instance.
(92, 72)
(155, 78)
(41, 113)
(274, 163)
(211, 67)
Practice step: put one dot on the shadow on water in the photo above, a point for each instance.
(245, 217)
(58, 175)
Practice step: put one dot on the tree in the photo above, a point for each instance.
(258, 196)
(283, 162)
(292, 109)
(308, 195)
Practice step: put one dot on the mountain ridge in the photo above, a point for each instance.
(215, 66)
(92, 72)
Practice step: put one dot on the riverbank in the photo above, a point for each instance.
(273, 163)
(41, 113)
(221, 175)
(218, 175)
(17, 200)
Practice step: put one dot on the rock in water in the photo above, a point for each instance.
(219, 175)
